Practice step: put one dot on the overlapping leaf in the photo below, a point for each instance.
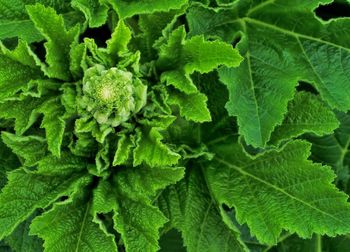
(282, 42)
(59, 40)
(306, 113)
(279, 190)
(194, 212)
(70, 227)
(135, 218)
(25, 192)
(14, 20)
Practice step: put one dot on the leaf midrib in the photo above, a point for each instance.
(290, 33)
(82, 227)
(274, 187)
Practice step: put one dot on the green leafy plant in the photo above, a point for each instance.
(174, 125)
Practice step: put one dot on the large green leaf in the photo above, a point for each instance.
(279, 50)
(70, 227)
(195, 213)
(26, 192)
(59, 40)
(279, 190)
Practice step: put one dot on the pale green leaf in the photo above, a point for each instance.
(306, 113)
(123, 151)
(278, 190)
(193, 107)
(151, 151)
(180, 58)
(77, 55)
(26, 192)
(59, 40)
(120, 39)
(70, 227)
(53, 124)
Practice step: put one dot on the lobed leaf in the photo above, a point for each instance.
(277, 190)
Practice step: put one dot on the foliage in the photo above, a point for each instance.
(180, 125)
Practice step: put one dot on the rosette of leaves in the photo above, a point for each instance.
(87, 127)
(122, 145)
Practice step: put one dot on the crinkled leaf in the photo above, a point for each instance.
(30, 148)
(279, 51)
(23, 111)
(306, 113)
(59, 40)
(84, 146)
(127, 8)
(277, 190)
(120, 39)
(65, 165)
(151, 151)
(138, 223)
(144, 181)
(94, 12)
(14, 20)
(194, 212)
(53, 124)
(123, 151)
(70, 227)
(15, 72)
(151, 27)
(135, 218)
(180, 58)
(77, 55)
(192, 106)
(333, 149)
(26, 192)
